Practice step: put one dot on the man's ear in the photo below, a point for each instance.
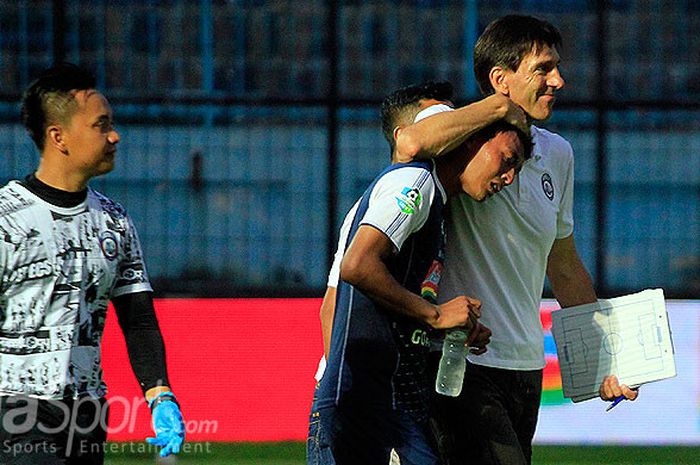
(397, 131)
(499, 80)
(56, 137)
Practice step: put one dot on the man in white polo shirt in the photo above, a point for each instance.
(500, 250)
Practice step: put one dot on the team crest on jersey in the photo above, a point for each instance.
(547, 186)
(108, 244)
(409, 200)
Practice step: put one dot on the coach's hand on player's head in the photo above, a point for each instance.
(513, 113)
(167, 424)
(460, 311)
(611, 389)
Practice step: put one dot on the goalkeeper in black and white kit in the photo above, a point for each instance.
(65, 251)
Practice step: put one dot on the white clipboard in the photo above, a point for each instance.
(627, 336)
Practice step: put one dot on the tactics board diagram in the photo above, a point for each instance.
(626, 336)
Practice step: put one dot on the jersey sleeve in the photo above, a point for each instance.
(3, 261)
(400, 202)
(565, 217)
(334, 274)
(131, 275)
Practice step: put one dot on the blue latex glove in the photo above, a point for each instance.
(168, 426)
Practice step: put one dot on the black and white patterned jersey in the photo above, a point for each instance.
(59, 267)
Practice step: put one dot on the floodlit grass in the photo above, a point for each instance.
(616, 455)
(277, 453)
(292, 453)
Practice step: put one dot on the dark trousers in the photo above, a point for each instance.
(52, 432)
(381, 437)
(492, 421)
(318, 445)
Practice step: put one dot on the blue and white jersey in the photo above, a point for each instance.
(59, 267)
(377, 357)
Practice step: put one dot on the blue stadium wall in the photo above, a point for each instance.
(257, 216)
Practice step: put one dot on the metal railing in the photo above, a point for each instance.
(279, 100)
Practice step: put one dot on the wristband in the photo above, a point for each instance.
(165, 396)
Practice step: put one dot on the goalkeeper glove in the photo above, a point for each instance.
(167, 423)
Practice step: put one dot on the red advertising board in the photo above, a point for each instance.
(242, 369)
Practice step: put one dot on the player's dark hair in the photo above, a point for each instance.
(506, 41)
(401, 106)
(50, 98)
(490, 131)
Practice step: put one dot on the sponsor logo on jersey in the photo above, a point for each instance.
(108, 244)
(409, 200)
(547, 186)
(27, 344)
(131, 274)
(420, 337)
(30, 271)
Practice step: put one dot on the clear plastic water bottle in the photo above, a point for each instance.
(452, 364)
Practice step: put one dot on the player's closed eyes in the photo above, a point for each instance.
(104, 124)
(510, 161)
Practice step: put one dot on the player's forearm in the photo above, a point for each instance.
(327, 314)
(147, 356)
(144, 341)
(443, 132)
(370, 276)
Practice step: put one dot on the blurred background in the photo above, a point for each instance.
(249, 127)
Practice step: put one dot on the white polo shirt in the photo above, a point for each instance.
(497, 251)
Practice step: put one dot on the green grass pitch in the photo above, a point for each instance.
(292, 453)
